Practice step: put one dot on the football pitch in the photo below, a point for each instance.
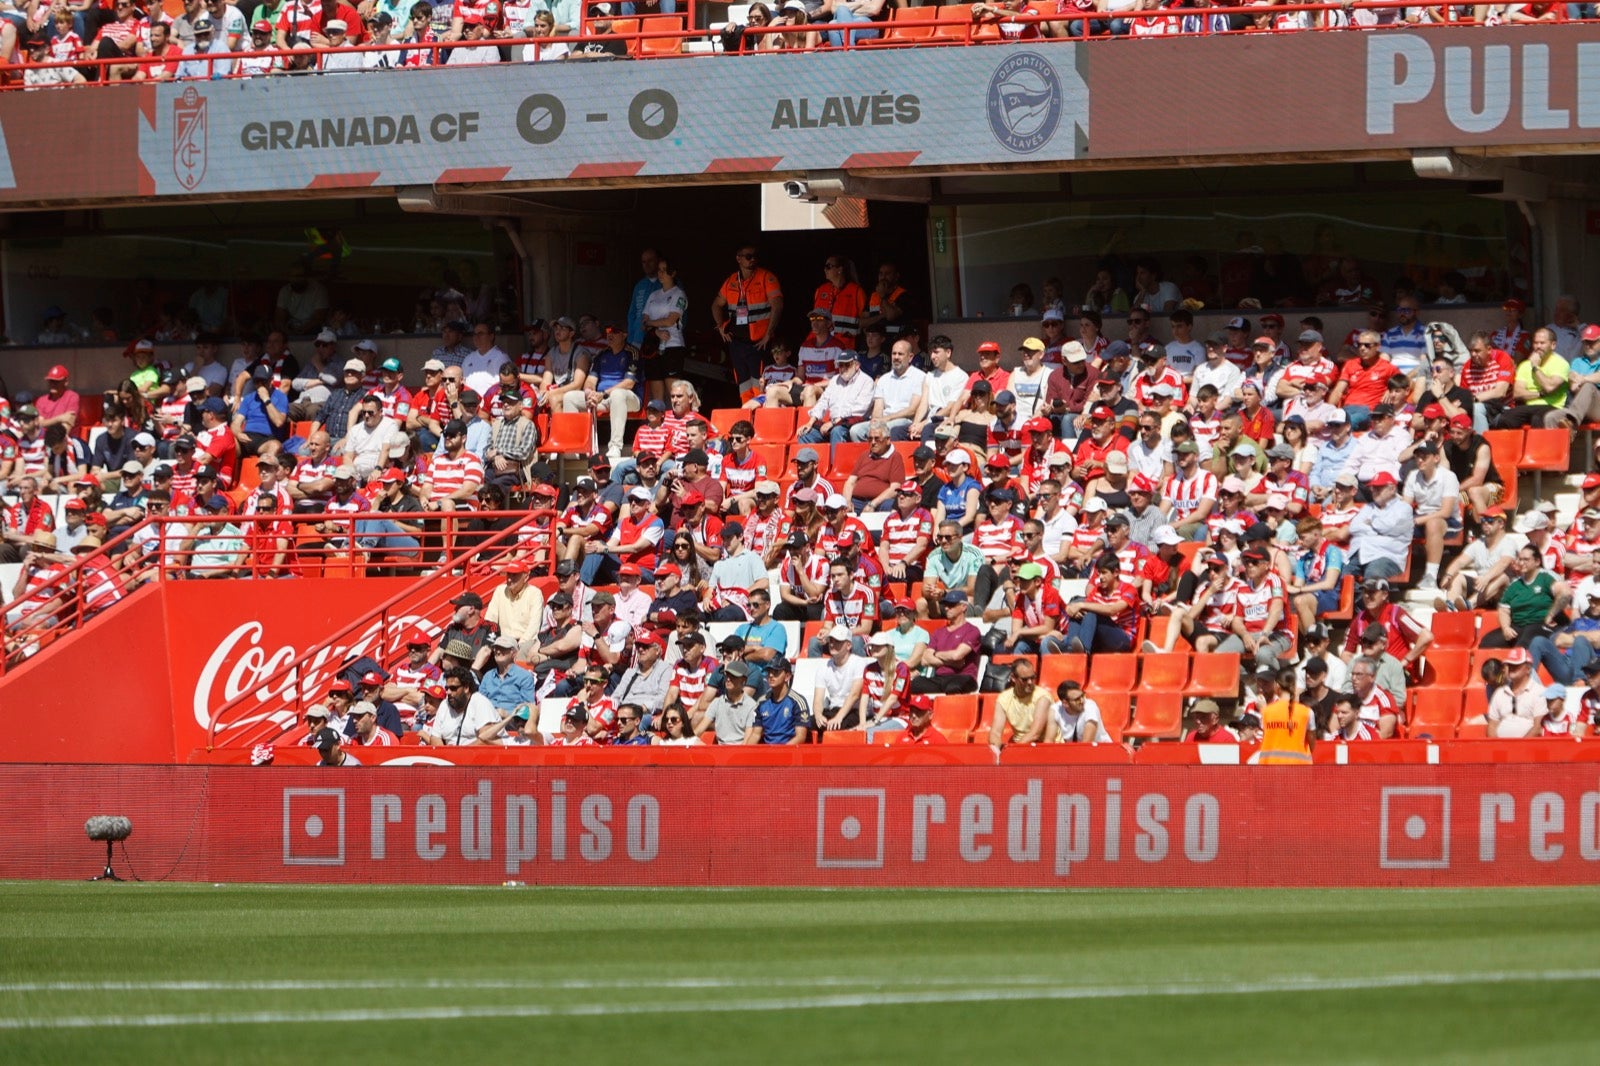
(257, 974)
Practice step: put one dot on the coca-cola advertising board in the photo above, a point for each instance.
(141, 683)
(867, 826)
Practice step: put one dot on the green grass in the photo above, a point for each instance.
(800, 977)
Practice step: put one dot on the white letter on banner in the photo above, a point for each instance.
(1589, 826)
(1072, 831)
(1202, 826)
(1385, 88)
(477, 845)
(385, 809)
(1547, 816)
(430, 822)
(1537, 114)
(522, 831)
(595, 814)
(1459, 85)
(1023, 816)
(644, 828)
(1493, 808)
(925, 810)
(977, 817)
(1150, 813)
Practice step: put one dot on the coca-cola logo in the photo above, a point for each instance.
(241, 665)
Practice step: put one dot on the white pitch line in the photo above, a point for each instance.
(493, 984)
(821, 1002)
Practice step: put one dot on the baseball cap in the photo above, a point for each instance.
(881, 640)
(958, 456)
(1338, 415)
(1427, 447)
(820, 312)
(355, 365)
(468, 599)
(1038, 425)
(1592, 481)
(989, 348)
(1231, 485)
(390, 365)
(1374, 634)
(1309, 336)
(505, 641)
(1383, 410)
(1263, 342)
(999, 461)
(1187, 447)
(1590, 333)
(1383, 478)
(910, 487)
(1375, 584)
(1433, 410)
(1513, 304)
(835, 502)
(1141, 483)
(1516, 657)
(845, 355)
(953, 597)
(1461, 421)
(371, 677)
(1073, 352)
(1555, 692)
(1531, 521)
(1166, 535)
(1239, 322)
(56, 373)
(1277, 501)
(839, 633)
(1096, 505)
(1029, 571)
(807, 455)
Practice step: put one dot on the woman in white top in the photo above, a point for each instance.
(543, 25)
(663, 313)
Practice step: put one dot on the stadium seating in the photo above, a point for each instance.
(1156, 715)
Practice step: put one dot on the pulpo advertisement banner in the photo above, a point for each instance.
(1038, 102)
(881, 827)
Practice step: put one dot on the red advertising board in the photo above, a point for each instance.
(866, 826)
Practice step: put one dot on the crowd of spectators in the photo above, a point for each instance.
(207, 39)
(916, 518)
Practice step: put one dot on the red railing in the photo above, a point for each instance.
(959, 27)
(173, 548)
(380, 633)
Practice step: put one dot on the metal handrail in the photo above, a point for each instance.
(372, 632)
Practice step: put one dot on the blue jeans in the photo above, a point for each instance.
(1566, 667)
(842, 15)
(1088, 631)
(370, 535)
(598, 563)
(1054, 644)
(836, 435)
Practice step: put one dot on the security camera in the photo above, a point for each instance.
(816, 191)
(799, 190)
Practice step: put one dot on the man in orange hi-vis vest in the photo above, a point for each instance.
(1286, 728)
(746, 310)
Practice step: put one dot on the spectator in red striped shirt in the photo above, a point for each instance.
(456, 475)
(885, 684)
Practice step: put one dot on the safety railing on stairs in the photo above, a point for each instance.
(271, 707)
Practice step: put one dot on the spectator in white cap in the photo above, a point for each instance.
(342, 59)
(845, 402)
(340, 410)
(958, 498)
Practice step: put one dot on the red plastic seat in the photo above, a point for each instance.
(775, 425)
(1545, 449)
(569, 434)
(1447, 668)
(723, 418)
(1453, 630)
(1214, 674)
(844, 460)
(1113, 673)
(1163, 672)
(1054, 669)
(1114, 709)
(1434, 711)
(1156, 715)
(956, 716)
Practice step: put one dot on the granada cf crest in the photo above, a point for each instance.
(189, 138)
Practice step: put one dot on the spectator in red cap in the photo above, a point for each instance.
(59, 404)
(1471, 460)
(919, 723)
(1583, 404)
(1382, 531)
(410, 679)
(387, 714)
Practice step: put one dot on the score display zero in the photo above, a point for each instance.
(652, 115)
